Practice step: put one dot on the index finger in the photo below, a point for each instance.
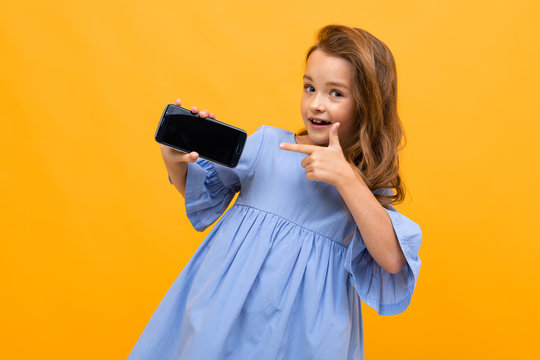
(301, 148)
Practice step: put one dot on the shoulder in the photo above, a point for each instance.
(383, 191)
(272, 132)
(262, 139)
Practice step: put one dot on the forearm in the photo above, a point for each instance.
(177, 172)
(373, 222)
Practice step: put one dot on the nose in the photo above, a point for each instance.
(317, 103)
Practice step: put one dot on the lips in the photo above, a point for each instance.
(319, 122)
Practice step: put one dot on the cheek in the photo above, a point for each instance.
(344, 115)
(303, 106)
(347, 121)
(349, 114)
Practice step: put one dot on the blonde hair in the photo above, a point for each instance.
(378, 130)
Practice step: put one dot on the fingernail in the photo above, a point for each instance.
(282, 146)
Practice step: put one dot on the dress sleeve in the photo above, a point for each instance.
(385, 292)
(210, 187)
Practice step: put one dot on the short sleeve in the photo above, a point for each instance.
(385, 292)
(210, 187)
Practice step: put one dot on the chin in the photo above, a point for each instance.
(318, 140)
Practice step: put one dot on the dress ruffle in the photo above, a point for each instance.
(206, 195)
(385, 292)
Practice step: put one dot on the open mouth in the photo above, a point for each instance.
(319, 122)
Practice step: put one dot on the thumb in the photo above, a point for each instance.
(191, 157)
(333, 136)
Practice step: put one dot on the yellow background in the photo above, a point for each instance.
(92, 233)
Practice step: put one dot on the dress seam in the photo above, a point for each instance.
(256, 160)
(290, 221)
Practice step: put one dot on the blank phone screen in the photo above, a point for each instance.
(210, 139)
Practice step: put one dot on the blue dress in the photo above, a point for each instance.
(281, 275)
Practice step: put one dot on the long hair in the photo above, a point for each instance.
(377, 130)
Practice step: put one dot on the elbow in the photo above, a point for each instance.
(395, 269)
(397, 265)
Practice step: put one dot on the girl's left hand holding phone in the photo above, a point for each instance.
(324, 163)
(176, 156)
(176, 161)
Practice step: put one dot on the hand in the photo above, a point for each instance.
(177, 156)
(323, 163)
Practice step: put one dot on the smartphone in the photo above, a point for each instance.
(214, 140)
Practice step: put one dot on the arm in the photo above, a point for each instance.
(373, 222)
(375, 259)
(328, 164)
(176, 164)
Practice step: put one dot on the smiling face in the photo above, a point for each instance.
(327, 98)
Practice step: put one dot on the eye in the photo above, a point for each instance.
(336, 93)
(309, 88)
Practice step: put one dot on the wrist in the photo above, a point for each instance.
(351, 177)
(346, 177)
(175, 157)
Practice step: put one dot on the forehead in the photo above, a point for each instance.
(322, 66)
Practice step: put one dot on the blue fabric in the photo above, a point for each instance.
(281, 274)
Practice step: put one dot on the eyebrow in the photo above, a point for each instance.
(333, 83)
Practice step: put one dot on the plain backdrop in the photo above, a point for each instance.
(93, 235)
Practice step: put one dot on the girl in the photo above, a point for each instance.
(312, 231)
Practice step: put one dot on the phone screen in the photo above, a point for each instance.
(212, 140)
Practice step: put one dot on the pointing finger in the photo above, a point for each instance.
(301, 148)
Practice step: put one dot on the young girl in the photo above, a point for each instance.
(312, 232)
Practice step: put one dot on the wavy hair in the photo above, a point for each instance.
(378, 130)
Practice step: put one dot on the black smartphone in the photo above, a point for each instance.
(214, 140)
